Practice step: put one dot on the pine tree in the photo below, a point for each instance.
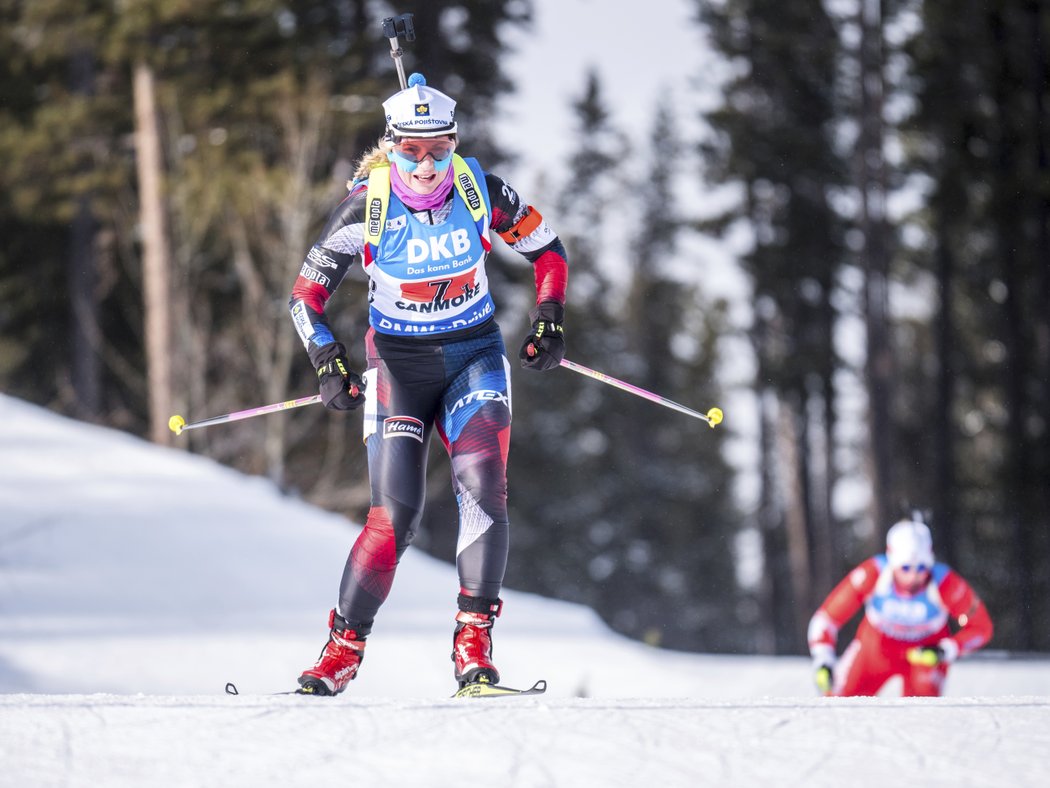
(557, 469)
(261, 106)
(671, 502)
(979, 135)
(616, 502)
(775, 137)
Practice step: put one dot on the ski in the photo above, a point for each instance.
(477, 689)
(482, 689)
(231, 689)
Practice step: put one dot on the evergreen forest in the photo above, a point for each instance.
(883, 172)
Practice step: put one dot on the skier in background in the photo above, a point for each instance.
(908, 599)
(419, 217)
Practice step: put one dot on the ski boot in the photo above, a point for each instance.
(340, 658)
(472, 640)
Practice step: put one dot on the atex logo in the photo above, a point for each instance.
(403, 426)
(482, 395)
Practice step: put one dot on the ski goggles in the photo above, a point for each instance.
(415, 150)
(918, 568)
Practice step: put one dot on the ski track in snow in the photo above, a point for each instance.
(124, 567)
(135, 581)
(201, 740)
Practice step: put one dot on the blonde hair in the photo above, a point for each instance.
(371, 159)
(376, 157)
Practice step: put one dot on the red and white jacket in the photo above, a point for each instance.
(901, 619)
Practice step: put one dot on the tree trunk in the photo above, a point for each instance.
(1019, 487)
(1039, 69)
(829, 558)
(86, 339)
(156, 266)
(943, 446)
(774, 593)
(86, 335)
(816, 478)
(872, 186)
(793, 460)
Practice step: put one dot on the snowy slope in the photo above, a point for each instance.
(135, 581)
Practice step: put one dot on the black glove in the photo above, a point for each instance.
(544, 348)
(341, 388)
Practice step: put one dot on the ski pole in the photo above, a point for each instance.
(177, 424)
(712, 417)
(393, 26)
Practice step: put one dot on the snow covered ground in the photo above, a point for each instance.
(136, 581)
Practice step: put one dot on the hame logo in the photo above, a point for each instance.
(403, 427)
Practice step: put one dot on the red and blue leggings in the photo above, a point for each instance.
(461, 388)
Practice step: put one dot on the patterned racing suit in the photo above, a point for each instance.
(436, 361)
(894, 622)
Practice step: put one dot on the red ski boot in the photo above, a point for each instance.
(472, 642)
(338, 663)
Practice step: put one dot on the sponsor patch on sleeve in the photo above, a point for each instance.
(301, 318)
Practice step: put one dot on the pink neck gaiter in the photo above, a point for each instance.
(420, 202)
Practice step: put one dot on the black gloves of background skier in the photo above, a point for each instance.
(341, 388)
(544, 348)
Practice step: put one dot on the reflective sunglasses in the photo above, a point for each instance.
(920, 568)
(416, 150)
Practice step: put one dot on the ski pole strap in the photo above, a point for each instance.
(479, 604)
(333, 367)
(547, 328)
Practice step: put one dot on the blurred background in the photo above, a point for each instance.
(831, 219)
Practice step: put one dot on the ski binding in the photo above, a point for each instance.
(483, 689)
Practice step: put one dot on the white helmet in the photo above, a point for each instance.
(420, 111)
(908, 543)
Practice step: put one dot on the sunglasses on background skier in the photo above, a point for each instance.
(917, 568)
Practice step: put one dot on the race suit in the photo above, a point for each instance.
(435, 361)
(894, 622)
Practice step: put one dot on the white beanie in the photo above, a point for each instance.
(908, 543)
(420, 111)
